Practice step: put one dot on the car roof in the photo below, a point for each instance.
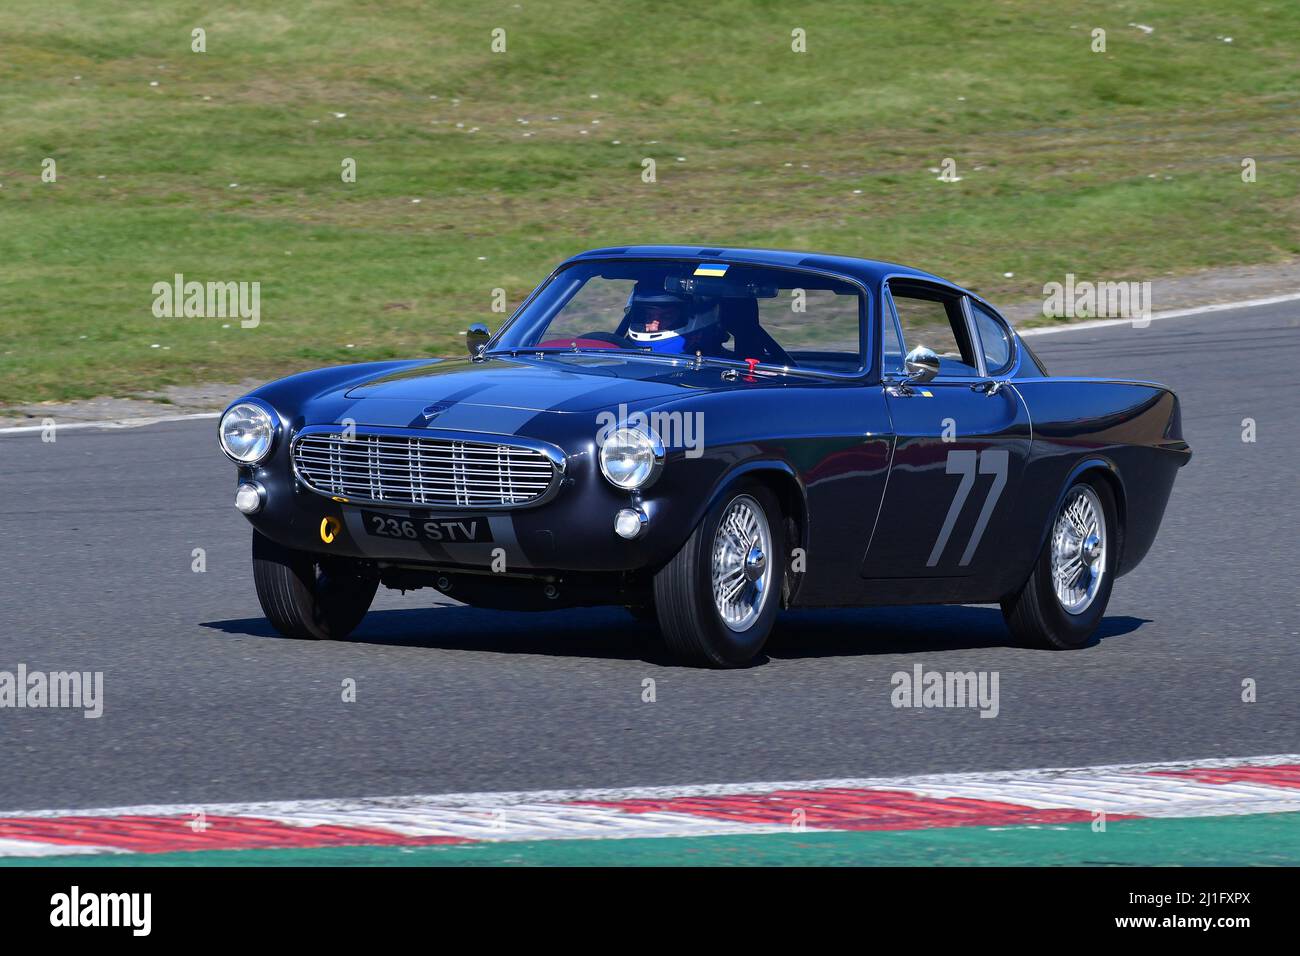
(871, 271)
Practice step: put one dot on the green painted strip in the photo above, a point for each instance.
(1263, 839)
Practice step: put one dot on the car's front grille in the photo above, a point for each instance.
(419, 470)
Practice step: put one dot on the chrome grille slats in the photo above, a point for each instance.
(372, 462)
(458, 469)
(421, 469)
(336, 469)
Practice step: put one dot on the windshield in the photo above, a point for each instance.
(723, 311)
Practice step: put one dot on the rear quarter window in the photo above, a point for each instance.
(995, 339)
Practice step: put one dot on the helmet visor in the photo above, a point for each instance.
(658, 317)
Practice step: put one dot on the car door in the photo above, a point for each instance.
(960, 444)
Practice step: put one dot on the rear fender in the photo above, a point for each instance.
(1102, 466)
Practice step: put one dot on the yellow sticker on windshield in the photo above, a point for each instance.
(711, 269)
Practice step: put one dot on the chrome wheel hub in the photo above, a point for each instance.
(1079, 550)
(741, 570)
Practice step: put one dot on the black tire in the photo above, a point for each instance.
(689, 621)
(311, 596)
(1035, 616)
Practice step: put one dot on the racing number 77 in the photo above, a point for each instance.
(992, 461)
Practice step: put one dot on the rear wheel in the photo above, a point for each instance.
(311, 596)
(1065, 598)
(718, 598)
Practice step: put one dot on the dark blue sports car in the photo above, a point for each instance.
(706, 436)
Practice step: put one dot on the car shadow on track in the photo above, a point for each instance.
(607, 633)
(611, 634)
(906, 630)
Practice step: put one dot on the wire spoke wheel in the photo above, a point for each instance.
(742, 565)
(1079, 550)
(718, 598)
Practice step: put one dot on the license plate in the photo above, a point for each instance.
(442, 530)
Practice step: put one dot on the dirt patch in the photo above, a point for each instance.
(172, 400)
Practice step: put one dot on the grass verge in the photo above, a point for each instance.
(479, 170)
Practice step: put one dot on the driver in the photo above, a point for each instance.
(670, 323)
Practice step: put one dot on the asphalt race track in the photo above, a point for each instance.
(205, 703)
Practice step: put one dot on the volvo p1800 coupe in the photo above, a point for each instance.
(707, 436)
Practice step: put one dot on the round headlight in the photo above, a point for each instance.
(630, 457)
(246, 433)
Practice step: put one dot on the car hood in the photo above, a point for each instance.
(564, 382)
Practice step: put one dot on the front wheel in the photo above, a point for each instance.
(717, 599)
(1066, 595)
(311, 596)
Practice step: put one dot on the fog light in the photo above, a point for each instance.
(628, 523)
(249, 497)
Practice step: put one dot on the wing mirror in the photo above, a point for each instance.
(921, 364)
(476, 338)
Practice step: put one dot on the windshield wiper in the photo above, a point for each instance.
(565, 350)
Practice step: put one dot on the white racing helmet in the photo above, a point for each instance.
(666, 322)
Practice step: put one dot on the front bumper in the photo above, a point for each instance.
(572, 531)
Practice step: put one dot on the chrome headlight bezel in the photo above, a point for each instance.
(267, 425)
(647, 449)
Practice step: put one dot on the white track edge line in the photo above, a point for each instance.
(1159, 316)
(110, 423)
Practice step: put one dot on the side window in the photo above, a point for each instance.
(995, 342)
(933, 318)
